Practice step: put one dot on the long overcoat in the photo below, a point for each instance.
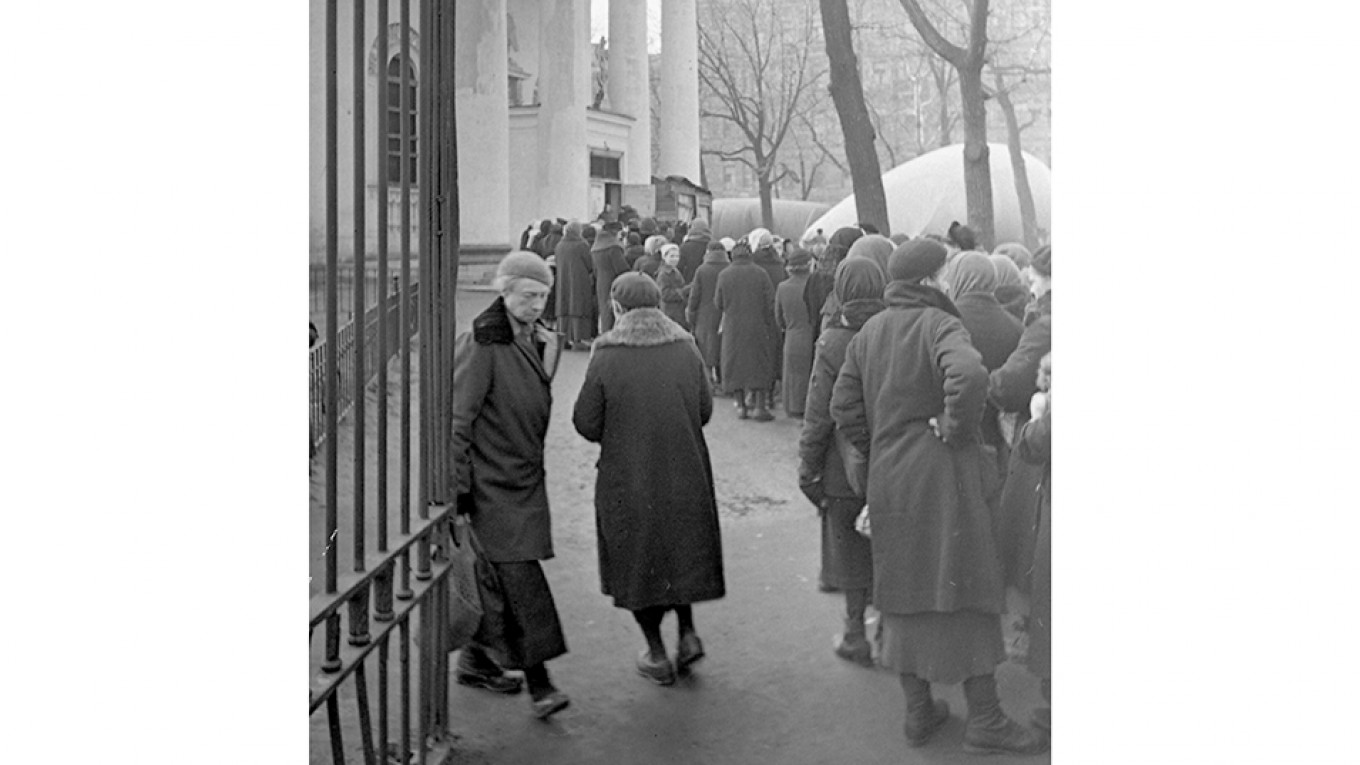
(928, 495)
(645, 400)
(609, 263)
(995, 333)
(692, 252)
(575, 278)
(790, 315)
(673, 294)
(745, 299)
(502, 397)
(1035, 447)
(701, 311)
(766, 258)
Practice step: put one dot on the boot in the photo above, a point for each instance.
(741, 404)
(989, 730)
(925, 713)
(853, 646)
(762, 412)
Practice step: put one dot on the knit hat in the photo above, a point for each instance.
(915, 260)
(647, 226)
(1043, 261)
(699, 228)
(522, 263)
(715, 245)
(635, 290)
(1018, 253)
(799, 258)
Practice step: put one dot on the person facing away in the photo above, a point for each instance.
(702, 313)
(790, 315)
(910, 397)
(575, 288)
(847, 556)
(744, 297)
(607, 257)
(502, 398)
(645, 400)
(692, 249)
(651, 256)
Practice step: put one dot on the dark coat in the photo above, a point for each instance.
(502, 396)
(702, 313)
(995, 334)
(575, 278)
(744, 298)
(790, 315)
(609, 263)
(645, 400)
(632, 252)
(1035, 448)
(692, 256)
(673, 294)
(1014, 299)
(818, 452)
(928, 496)
(1014, 383)
(647, 264)
(766, 258)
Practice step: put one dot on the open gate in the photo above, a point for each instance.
(394, 591)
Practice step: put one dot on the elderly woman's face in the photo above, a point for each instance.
(526, 299)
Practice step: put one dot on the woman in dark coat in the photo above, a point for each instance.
(674, 294)
(645, 400)
(545, 246)
(744, 298)
(575, 288)
(1034, 447)
(502, 397)
(1012, 386)
(790, 315)
(634, 250)
(651, 256)
(971, 279)
(821, 282)
(910, 397)
(607, 256)
(847, 557)
(1011, 290)
(693, 248)
(872, 247)
(763, 254)
(702, 313)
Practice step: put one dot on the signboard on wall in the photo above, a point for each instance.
(641, 197)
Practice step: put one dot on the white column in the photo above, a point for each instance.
(480, 96)
(679, 90)
(564, 93)
(629, 89)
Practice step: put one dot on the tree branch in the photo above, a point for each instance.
(947, 50)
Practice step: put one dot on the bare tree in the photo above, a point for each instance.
(756, 73)
(1021, 53)
(871, 204)
(967, 61)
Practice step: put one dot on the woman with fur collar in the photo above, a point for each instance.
(502, 399)
(645, 400)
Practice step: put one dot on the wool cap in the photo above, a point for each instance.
(715, 245)
(1043, 261)
(647, 226)
(699, 228)
(635, 290)
(604, 240)
(1017, 252)
(522, 263)
(799, 257)
(916, 260)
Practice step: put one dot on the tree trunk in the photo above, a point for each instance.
(871, 204)
(977, 172)
(766, 198)
(941, 77)
(1028, 218)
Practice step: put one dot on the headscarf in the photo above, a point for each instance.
(698, 230)
(760, 238)
(858, 279)
(728, 243)
(1007, 273)
(1018, 253)
(970, 272)
(875, 247)
(604, 240)
(653, 244)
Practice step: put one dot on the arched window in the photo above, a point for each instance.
(395, 117)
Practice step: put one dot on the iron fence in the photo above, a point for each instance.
(379, 595)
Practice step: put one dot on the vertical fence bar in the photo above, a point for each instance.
(405, 660)
(331, 661)
(429, 256)
(404, 591)
(383, 724)
(380, 101)
(365, 723)
(359, 240)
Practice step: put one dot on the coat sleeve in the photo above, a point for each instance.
(815, 438)
(472, 365)
(1035, 442)
(692, 301)
(1015, 381)
(705, 388)
(617, 259)
(588, 415)
(848, 408)
(965, 382)
(780, 320)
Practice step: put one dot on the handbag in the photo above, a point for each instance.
(465, 599)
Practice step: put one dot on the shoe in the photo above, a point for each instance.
(855, 649)
(550, 703)
(660, 672)
(925, 713)
(690, 650)
(762, 413)
(989, 730)
(495, 683)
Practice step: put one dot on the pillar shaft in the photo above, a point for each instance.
(564, 94)
(629, 89)
(679, 90)
(480, 79)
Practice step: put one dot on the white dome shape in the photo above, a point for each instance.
(927, 193)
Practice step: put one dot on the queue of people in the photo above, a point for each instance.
(925, 407)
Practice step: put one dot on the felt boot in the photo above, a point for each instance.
(989, 730)
(925, 713)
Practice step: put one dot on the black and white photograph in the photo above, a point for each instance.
(679, 382)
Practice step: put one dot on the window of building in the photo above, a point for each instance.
(395, 118)
(602, 166)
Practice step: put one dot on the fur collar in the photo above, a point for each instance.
(642, 328)
(493, 326)
(902, 294)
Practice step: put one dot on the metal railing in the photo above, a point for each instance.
(382, 594)
(347, 364)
